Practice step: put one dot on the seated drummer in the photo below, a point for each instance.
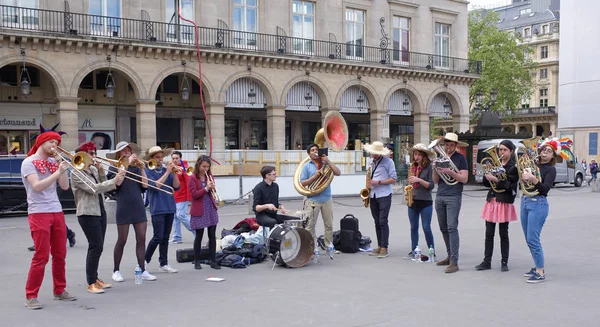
(266, 200)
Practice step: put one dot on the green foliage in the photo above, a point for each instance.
(505, 67)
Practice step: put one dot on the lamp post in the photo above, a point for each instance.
(185, 85)
(480, 105)
(25, 78)
(308, 96)
(110, 81)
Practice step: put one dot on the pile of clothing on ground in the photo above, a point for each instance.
(242, 246)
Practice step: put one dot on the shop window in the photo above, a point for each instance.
(199, 134)
(258, 136)
(168, 132)
(232, 134)
(309, 130)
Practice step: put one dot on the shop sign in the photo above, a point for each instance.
(20, 122)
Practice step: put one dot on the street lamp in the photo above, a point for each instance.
(110, 81)
(185, 85)
(25, 78)
(480, 105)
(308, 96)
(251, 92)
(360, 99)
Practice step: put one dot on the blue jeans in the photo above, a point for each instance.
(162, 229)
(534, 211)
(413, 216)
(448, 209)
(181, 217)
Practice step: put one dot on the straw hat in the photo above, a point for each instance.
(421, 147)
(452, 137)
(122, 145)
(156, 149)
(376, 148)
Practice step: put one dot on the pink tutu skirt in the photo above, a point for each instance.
(498, 212)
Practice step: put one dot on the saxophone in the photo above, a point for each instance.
(408, 189)
(365, 192)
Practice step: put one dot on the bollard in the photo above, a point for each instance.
(250, 202)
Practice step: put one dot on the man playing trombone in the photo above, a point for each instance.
(321, 202)
(162, 205)
(449, 197)
(40, 173)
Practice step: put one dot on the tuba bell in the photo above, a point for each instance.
(334, 135)
(443, 161)
(528, 161)
(493, 165)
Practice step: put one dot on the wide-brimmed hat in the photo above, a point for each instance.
(452, 137)
(122, 145)
(156, 149)
(376, 148)
(423, 148)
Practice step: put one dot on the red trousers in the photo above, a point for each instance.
(49, 233)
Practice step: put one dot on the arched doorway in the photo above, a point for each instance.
(400, 108)
(303, 115)
(354, 106)
(245, 115)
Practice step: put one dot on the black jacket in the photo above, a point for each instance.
(509, 185)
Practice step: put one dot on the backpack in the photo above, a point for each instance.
(350, 236)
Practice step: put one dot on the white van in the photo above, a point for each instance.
(567, 171)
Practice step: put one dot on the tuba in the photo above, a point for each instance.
(334, 134)
(409, 189)
(493, 165)
(443, 161)
(366, 192)
(528, 161)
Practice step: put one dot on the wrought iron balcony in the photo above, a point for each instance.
(65, 23)
(520, 112)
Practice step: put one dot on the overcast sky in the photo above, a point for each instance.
(488, 3)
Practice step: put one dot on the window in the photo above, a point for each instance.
(401, 36)
(442, 45)
(545, 29)
(544, 73)
(526, 54)
(106, 17)
(199, 134)
(245, 20)
(543, 97)
(24, 17)
(524, 11)
(527, 32)
(304, 25)
(544, 52)
(179, 30)
(355, 31)
(525, 101)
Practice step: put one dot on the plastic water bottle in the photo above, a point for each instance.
(431, 254)
(138, 275)
(417, 253)
(316, 255)
(330, 250)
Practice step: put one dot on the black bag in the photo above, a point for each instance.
(187, 255)
(350, 235)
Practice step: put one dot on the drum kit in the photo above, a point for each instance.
(290, 244)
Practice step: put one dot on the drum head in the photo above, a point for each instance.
(295, 245)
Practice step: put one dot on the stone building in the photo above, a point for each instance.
(113, 70)
(537, 22)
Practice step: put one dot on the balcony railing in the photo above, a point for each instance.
(520, 112)
(76, 24)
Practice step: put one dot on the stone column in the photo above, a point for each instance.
(216, 122)
(421, 128)
(276, 128)
(68, 117)
(460, 123)
(552, 127)
(145, 115)
(376, 126)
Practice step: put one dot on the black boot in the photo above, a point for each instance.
(484, 266)
(504, 246)
(215, 265)
(71, 237)
(504, 266)
(197, 265)
(31, 248)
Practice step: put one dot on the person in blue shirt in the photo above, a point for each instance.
(321, 202)
(162, 206)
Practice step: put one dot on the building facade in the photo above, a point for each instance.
(537, 23)
(579, 78)
(114, 70)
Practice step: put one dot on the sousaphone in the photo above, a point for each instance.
(333, 135)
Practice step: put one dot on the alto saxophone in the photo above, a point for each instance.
(409, 189)
(365, 192)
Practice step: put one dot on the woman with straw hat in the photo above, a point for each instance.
(422, 181)
(383, 176)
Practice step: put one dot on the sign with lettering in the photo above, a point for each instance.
(20, 122)
(96, 123)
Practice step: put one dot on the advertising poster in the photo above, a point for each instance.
(104, 139)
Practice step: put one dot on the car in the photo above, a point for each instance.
(13, 198)
(568, 171)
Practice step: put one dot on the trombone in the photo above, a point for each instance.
(123, 164)
(213, 192)
(79, 162)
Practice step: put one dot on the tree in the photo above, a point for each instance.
(505, 66)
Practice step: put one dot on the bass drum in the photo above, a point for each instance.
(295, 245)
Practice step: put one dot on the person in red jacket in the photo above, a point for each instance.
(182, 200)
(204, 210)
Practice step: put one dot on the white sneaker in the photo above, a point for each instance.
(146, 276)
(117, 277)
(167, 269)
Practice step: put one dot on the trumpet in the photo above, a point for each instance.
(213, 192)
(152, 164)
(79, 162)
(443, 161)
